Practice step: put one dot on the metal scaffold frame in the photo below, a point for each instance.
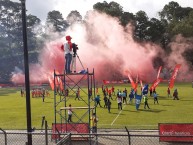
(64, 81)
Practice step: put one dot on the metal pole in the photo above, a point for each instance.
(95, 107)
(65, 103)
(26, 64)
(129, 137)
(54, 97)
(46, 132)
(5, 135)
(55, 105)
(89, 116)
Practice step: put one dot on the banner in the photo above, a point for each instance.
(176, 132)
(136, 83)
(131, 81)
(51, 81)
(60, 82)
(137, 101)
(174, 75)
(159, 70)
(155, 84)
(69, 128)
(145, 89)
(141, 83)
(137, 79)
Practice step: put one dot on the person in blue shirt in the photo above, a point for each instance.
(97, 100)
(124, 97)
(131, 95)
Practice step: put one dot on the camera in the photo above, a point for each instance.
(74, 48)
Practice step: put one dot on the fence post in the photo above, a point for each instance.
(5, 135)
(46, 132)
(129, 137)
(70, 139)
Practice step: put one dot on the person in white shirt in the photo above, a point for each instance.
(69, 114)
(119, 101)
(68, 54)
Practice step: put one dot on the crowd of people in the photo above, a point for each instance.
(108, 95)
(37, 92)
(40, 92)
(121, 97)
(125, 97)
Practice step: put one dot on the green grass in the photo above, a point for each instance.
(13, 110)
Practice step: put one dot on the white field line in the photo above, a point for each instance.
(117, 116)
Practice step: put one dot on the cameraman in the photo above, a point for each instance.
(68, 53)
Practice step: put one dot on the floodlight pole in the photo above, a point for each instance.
(27, 82)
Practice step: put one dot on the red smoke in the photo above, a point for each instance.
(179, 46)
(105, 46)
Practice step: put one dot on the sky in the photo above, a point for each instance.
(40, 8)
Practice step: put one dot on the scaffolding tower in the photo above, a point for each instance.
(66, 89)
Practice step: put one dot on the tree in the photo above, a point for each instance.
(32, 23)
(188, 55)
(11, 38)
(113, 9)
(165, 40)
(174, 12)
(170, 11)
(184, 27)
(73, 17)
(127, 17)
(10, 22)
(101, 7)
(156, 30)
(142, 26)
(55, 18)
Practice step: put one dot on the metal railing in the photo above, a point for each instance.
(19, 137)
(66, 140)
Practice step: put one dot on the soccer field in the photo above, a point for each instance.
(13, 109)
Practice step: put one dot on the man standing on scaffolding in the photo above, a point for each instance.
(68, 54)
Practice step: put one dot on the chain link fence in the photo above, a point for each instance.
(19, 137)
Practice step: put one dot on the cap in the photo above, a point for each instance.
(68, 37)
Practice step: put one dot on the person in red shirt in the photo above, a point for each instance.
(107, 90)
(113, 90)
(97, 90)
(110, 95)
